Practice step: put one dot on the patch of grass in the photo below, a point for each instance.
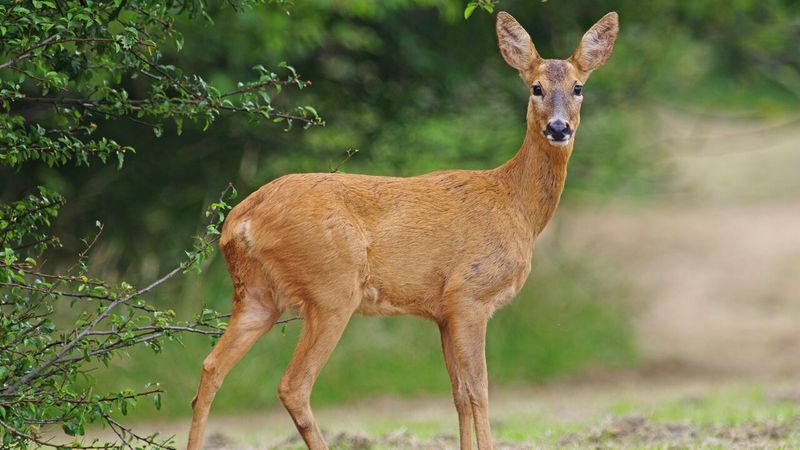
(729, 408)
(746, 415)
(743, 417)
(534, 429)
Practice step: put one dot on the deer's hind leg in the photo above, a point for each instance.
(325, 321)
(254, 313)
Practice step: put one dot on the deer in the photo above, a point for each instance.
(451, 246)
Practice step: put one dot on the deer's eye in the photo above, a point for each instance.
(537, 90)
(578, 90)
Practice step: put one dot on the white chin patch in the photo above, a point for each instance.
(559, 143)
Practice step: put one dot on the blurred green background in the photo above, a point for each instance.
(415, 88)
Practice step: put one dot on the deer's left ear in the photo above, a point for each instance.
(596, 45)
(515, 43)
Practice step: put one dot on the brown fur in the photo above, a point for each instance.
(451, 246)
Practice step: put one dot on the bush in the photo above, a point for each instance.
(67, 71)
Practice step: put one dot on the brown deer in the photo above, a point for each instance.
(451, 246)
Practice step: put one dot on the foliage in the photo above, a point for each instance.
(68, 69)
(77, 58)
(42, 363)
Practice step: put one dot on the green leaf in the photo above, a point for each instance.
(469, 9)
(70, 428)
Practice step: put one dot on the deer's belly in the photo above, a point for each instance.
(377, 300)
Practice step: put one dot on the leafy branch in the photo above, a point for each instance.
(71, 58)
(34, 359)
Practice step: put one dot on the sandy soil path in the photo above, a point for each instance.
(716, 290)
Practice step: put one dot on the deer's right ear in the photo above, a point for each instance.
(514, 42)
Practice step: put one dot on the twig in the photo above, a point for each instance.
(27, 53)
(52, 41)
(350, 153)
(40, 442)
(136, 105)
(100, 317)
(82, 255)
(257, 86)
(13, 219)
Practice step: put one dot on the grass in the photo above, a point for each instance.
(568, 318)
(746, 416)
(653, 414)
(729, 407)
(742, 416)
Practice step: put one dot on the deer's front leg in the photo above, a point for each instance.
(468, 334)
(460, 394)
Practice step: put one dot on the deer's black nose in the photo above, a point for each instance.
(558, 130)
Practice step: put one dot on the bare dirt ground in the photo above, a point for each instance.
(714, 269)
(625, 432)
(570, 414)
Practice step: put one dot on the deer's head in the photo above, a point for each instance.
(556, 85)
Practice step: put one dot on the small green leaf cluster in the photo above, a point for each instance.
(486, 5)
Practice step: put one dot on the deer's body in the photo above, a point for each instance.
(451, 246)
(473, 228)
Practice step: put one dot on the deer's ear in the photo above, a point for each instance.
(596, 45)
(514, 42)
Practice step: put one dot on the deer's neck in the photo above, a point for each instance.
(536, 176)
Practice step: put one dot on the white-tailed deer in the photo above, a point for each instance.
(452, 246)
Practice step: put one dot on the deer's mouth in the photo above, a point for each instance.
(558, 141)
